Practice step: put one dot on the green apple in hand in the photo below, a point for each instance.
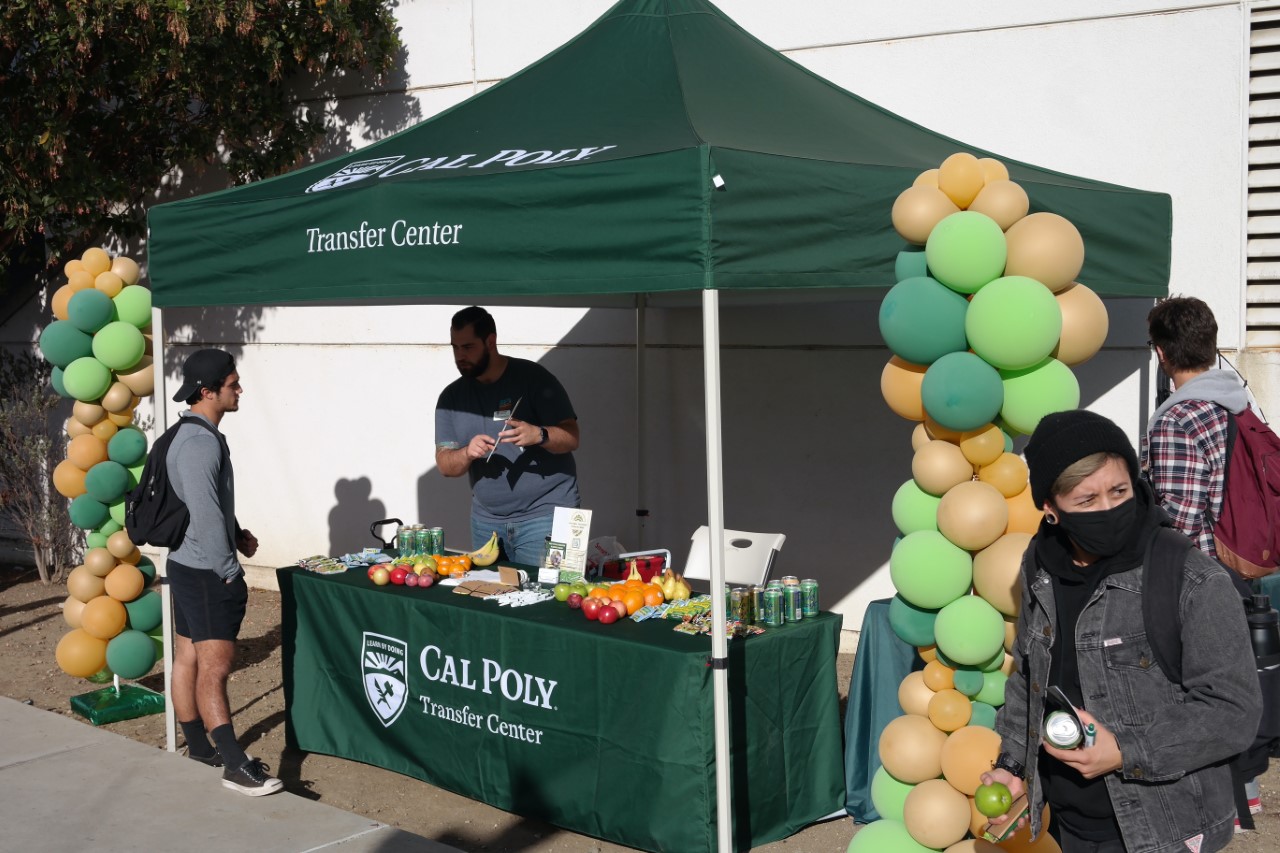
(993, 800)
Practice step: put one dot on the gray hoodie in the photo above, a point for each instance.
(1216, 386)
(200, 469)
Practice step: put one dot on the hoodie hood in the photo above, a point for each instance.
(1221, 387)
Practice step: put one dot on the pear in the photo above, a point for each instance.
(669, 585)
(683, 590)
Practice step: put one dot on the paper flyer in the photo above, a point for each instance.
(570, 534)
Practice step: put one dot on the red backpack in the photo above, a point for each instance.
(1247, 530)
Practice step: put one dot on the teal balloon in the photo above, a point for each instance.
(961, 391)
(87, 512)
(929, 572)
(1013, 322)
(94, 539)
(913, 625)
(921, 321)
(128, 446)
(116, 511)
(56, 383)
(910, 264)
(888, 795)
(144, 611)
(107, 481)
(147, 568)
(87, 379)
(133, 306)
(131, 654)
(970, 631)
(982, 714)
(119, 345)
(885, 836)
(61, 344)
(992, 691)
(1008, 439)
(90, 309)
(966, 250)
(967, 681)
(1033, 392)
(914, 508)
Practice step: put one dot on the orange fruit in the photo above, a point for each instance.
(616, 589)
(465, 562)
(597, 591)
(634, 599)
(652, 596)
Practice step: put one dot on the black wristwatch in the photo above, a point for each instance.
(542, 440)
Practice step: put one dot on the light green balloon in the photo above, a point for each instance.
(110, 526)
(969, 631)
(119, 345)
(1033, 392)
(966, 250)
(992, 691)
(914, 508)
(133, 305)
(117, 511)
(86, 379)
(885, 836)
(928, 571)
(94, 539)
(888, 795)
(1013, 322)
(135, 472)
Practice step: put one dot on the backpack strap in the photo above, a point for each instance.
(1162, 577)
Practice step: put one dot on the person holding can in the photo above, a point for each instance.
(507, 423)
(1155, 777)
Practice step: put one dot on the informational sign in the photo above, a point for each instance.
(567, 551)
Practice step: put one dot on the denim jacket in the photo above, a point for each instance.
(1174, 790)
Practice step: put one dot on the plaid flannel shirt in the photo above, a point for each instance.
(1185, 458)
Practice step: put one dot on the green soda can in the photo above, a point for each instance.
(404, 541)
(757, 605)
(436, 541)
(792, 604)
(421, 540)
(809, 597)
(736, 606)
(773, 606)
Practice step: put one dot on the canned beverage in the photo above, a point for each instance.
(790, 580)
(792, 604)
(809, 597)
(404, 541)
(421, 540)
(435, 541)
(772, 616)
(757, 605)
(1062, 730)
(774, 584)
(736, 596)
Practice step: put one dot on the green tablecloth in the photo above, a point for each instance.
(603, 729)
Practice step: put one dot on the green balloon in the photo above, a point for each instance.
(106, 481)
(914, 508)
(110, 526)
(133, 306)
(910, 264)
(102, 676)
(982, 714)
(966, 250)
(1033, 392)
(90, 309)
(61, 343)
(87, 379)
(992, 691)
(116, 511)
(55, 382)
(94, 539)
(135, 472)
(144, 611)
(888, 795)
(885, 836)
(921, 321)
(131, 654)
(967, 681)
(1013, 322)
(119, 345)
(913, 625)
(87, 512)
(996, 661)
(929, 572)
(147, 568)
(969, 630)
(128, 446)
(961, 391)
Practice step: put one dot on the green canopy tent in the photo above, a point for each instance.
(664, 151)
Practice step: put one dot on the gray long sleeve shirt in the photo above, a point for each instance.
(200, 469)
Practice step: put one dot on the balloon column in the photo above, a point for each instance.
(984, 324)
(101, 353)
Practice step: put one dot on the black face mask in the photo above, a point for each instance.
(1103, 533)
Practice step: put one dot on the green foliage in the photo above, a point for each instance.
(102, 98)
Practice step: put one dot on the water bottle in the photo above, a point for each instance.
(1264, 625)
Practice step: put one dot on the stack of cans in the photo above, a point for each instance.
(781, 602)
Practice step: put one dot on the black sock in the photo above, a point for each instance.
(224, 737)
(197, 741)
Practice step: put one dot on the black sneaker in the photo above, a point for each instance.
(251, 778)
(214, 760)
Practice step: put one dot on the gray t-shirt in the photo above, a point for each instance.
(200, 470)
(512, 486)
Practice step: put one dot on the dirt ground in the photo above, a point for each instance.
(31, 624)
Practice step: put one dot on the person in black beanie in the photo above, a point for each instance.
(1155, 779)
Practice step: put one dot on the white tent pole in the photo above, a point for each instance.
(642, 508)
(162, 569)
(715, 529)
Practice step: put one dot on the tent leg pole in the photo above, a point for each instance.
(162, 568)
(642, 510)
(715, 528)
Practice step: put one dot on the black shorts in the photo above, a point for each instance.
(205, 607)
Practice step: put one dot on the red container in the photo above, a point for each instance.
(647, 566)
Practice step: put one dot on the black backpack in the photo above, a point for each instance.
(153, 513)
(1162, 578)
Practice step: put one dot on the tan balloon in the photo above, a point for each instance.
(1020, 841)
(1084, 325)
(1008, 473)
(938, 676)
(118, 397)
(997, 572)
(928, 653)
(89, 414)
(950, 710)
(119, 545)
(58, 304)
(132, 558)
(104, 617)
(927, 178)
(80, 655)
(127, 269)
(121, 418)
(125, 583)
(961, 178)
(982, 446)
(917, 210)
(79, 280)
(993, 170)
(84, 586)
(71, 610)
(71, 266)
(1046, 247)
(100, 562)
(1010, 632)
(914, 695)
(939, 432)
(1004, 201)
(973, 515)
(109, 283)
(919, 437)
(936, 814)
(68, 480)
(85, 451)
(974, 845)
(75, 429)
(141, 379)
(940, 466)
(148, 345)
(104, 430)
(1010, 665)
(1024, 515)
(911, 749)
(95, 261)
(968, 753)
(900, 383)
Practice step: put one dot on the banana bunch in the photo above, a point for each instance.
(486, 554)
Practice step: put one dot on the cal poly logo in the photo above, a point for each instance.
(353, 172)
(386, 684)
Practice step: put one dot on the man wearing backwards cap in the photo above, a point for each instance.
(205, 578)
(1155, 780)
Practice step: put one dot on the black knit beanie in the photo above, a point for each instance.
(1062, 439)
